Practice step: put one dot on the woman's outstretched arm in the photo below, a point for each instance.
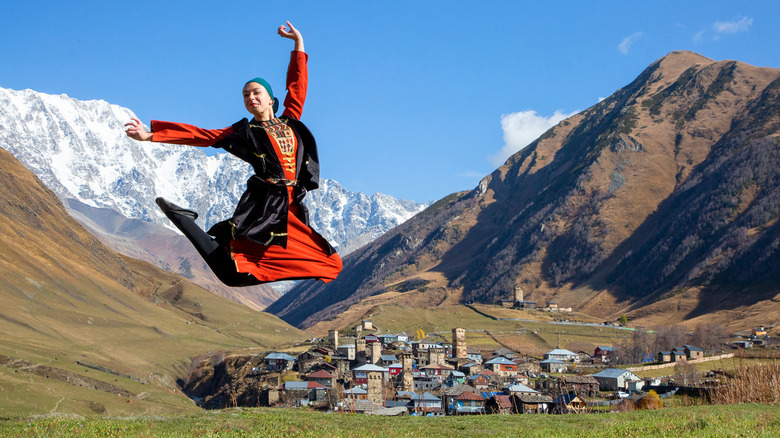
(175, 133)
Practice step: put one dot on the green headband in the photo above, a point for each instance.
(267, 87)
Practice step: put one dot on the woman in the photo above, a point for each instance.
(268, 238)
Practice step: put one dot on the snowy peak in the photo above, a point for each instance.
(80, 151)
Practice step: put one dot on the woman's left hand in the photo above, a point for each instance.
(293, 34)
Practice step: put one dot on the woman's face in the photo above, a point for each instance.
(257, 101)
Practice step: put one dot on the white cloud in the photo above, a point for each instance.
(520, 129)
(740, 25)
(699, 36)
(628, 42)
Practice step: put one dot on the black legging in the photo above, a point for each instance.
(213, 253)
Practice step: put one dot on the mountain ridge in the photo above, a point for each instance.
(550, 219)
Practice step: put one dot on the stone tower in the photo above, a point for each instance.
(407, 378)
(375, 351)
(360, 349)
(459, 343)
(435, 356)
(518, 293)
(333, 337)
(374, 388)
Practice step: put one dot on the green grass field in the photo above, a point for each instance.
(714, 421)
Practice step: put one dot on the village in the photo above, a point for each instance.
(403, 374)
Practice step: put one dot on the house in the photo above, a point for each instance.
(517, 389)
(480, 381)
(388, 339)
(584, 386)
(503, 351)
(663, 357)
(614, 379)
(602, 353)
(395, 369)
(302, 393)
(322, 377)
(402, 337)
(360, 374)
(347, 350)
(692, 352)
(531, 403)
(354, 393)
(450, 395)
(530, 305)
(471, 369)
(499, 404)
(562, 354)
(759, 331)
(387, 359)
(568, 404)
(455, 378)
(279, 361)
(678, 356)
(425, 403)
(502, 366)
(552, 366)
(469, 403)
(742, 344)
(439, 370)
(474, 355)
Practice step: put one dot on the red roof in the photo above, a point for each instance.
(487, 372)
(438, 366)
(321, 374)
(468, 395)
(504, 401)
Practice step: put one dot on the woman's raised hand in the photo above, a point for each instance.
(293, 34)
(135, 130)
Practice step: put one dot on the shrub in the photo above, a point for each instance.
(651, 400)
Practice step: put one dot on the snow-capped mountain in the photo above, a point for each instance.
(80, 151)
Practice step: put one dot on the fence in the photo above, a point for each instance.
(671, 364)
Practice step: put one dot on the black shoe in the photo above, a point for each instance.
(170, 208)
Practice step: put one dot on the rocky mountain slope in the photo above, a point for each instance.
(79, 150)
(660, 202)
(86, 330)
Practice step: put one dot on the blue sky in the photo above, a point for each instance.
(416, 99)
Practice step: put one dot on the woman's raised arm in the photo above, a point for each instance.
(292, 34)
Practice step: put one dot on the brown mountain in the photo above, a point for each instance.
(661, 202)
(84, 329)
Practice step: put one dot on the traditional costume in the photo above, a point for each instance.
(269, 237)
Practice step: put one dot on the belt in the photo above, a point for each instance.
(287, 182)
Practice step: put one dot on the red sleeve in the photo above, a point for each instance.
(180, 133)
(297, 83)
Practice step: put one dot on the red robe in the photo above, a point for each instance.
(305, 255)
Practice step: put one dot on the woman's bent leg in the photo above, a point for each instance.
(212, 252)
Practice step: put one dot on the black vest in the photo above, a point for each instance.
(261, 213)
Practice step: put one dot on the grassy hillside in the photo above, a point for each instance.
(487, 327)
(84, 330)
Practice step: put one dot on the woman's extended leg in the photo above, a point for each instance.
(212, 252)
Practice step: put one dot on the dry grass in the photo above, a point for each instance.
(751, 384)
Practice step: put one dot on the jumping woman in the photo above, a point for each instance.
(269, 237)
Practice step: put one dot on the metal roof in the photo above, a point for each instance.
(612, 373)
(561, 351)
(501, 360)
(519, 387)
(370, 367)
(279, 356)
